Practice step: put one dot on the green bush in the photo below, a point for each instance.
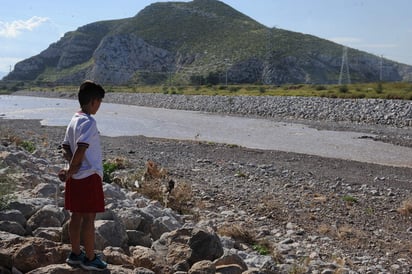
(349, 199)
(343, 89)
(261, 249)
(110, 166)
(234, 89)
(393, 96)
(320, 87)
(6, 190)
(108, 169)
(379, 88)
(28, 146)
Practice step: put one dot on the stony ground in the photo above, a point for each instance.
(307, 208)
(311, 210)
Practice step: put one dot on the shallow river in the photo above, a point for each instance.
(125, 120)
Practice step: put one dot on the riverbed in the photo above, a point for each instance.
(130, 120)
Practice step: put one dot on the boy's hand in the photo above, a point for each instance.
(62, 175)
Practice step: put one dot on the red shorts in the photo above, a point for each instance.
(84, 195)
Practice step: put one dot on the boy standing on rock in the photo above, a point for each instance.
(84, 191)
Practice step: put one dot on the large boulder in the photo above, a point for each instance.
(148, 258)
(110, 233)
(186, 246)
(30, 253)
(13, 215)
(47, 216)
(12, 227)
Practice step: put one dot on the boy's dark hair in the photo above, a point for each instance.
(90, 90)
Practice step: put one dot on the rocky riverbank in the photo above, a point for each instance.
(315, 215)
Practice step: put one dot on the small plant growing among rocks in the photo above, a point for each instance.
(6, 191)
(349, 199)
(261, 249)
(28, 146)
(111, 166)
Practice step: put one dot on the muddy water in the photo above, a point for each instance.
(124, 120)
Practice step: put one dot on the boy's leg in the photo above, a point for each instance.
(88, 234)
(74, 231)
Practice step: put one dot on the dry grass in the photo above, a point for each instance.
(324, 229)
(344, 233)
(156, 184)
(119, 162)
(238, 233)
(180, 198)
(271, 208)
(319, 198)
(406, 208)
(347, 232)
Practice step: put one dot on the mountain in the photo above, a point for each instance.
(203, 41)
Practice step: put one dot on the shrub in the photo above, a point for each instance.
(238, 233)
(406, 208)
(379, 88)
(261, 249)
(349, 199)
(28, 146)
(111, 166)
(393, 96)
(6, 190)
(343, 89)
(234, 89)
(156, 185)
(108, 169)
(180, 198)
(359, 95)
(320, 87)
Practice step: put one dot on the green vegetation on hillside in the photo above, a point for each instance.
(391, 90)
(201, 42)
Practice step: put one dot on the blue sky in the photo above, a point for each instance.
(380, 27)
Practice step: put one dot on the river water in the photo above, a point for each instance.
(127, 120)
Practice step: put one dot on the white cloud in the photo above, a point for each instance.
(13, 29)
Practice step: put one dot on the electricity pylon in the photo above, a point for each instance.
(344, 65)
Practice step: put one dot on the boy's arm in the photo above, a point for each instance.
(76, 160)
(67, 152)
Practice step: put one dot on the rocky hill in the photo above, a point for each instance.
(203, 41)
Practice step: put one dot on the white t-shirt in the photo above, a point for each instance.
(82, 129)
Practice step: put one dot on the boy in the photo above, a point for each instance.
(84, 192)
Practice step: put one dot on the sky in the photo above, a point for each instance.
(380, 27)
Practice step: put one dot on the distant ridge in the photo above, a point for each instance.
(198, 42)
